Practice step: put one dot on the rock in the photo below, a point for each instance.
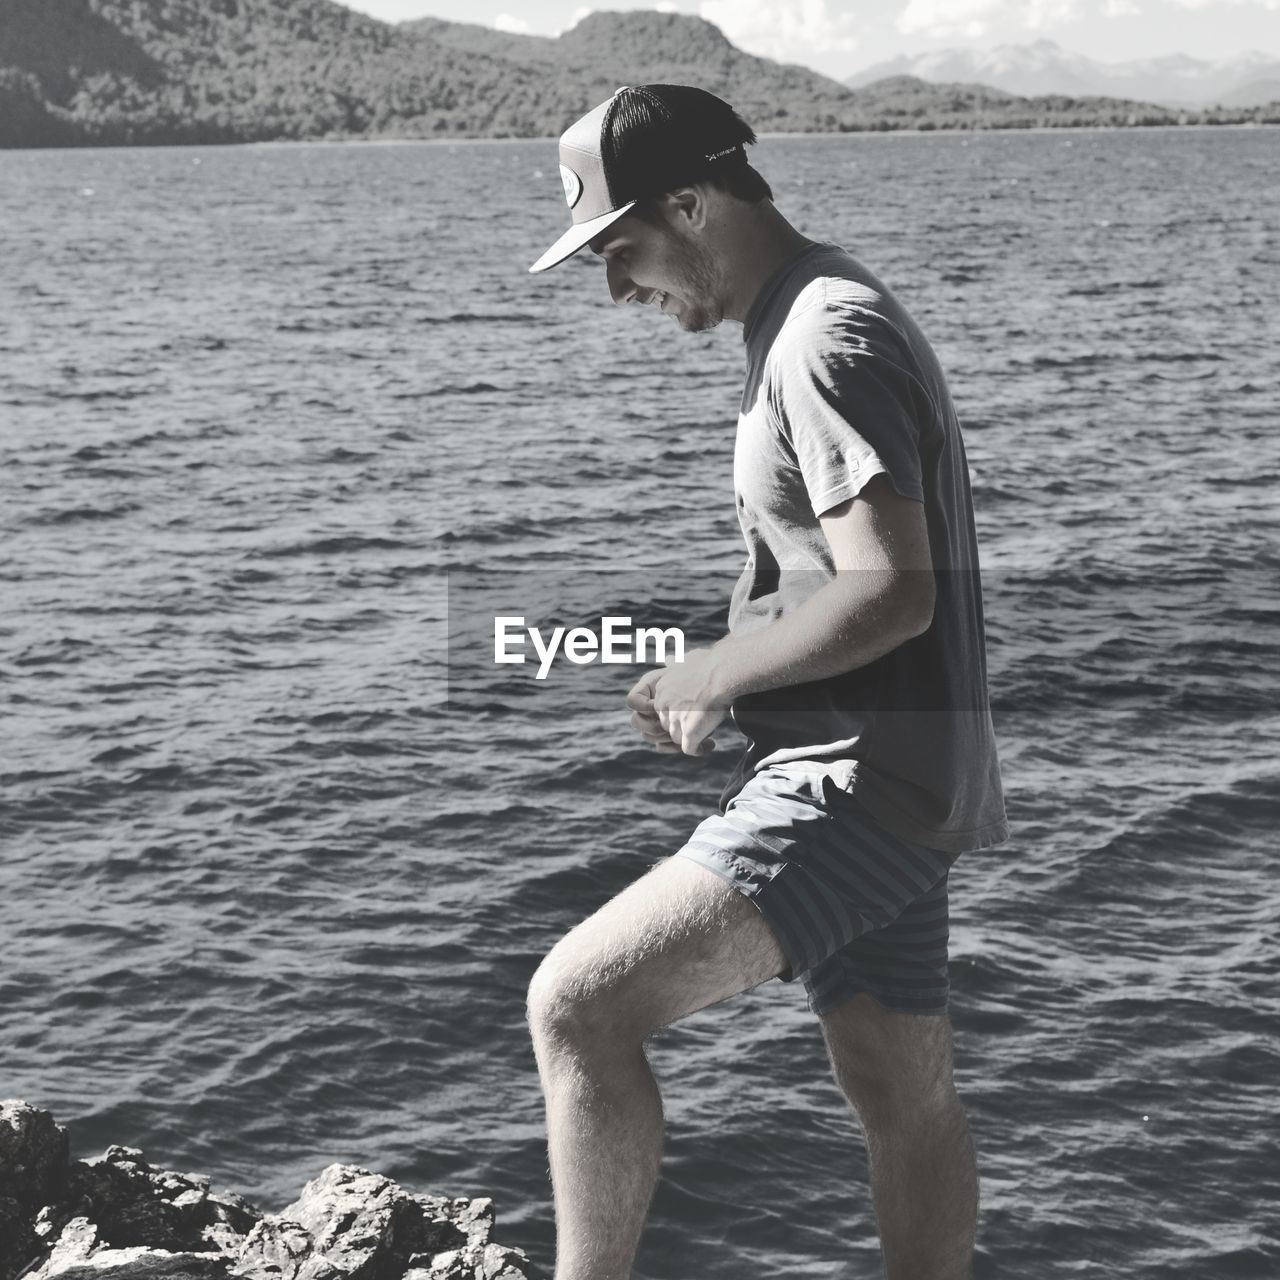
(276, 1249)
(473, 1217)
(133, 1204)
(118, 1218)
(73, 1246)
(147, 1264)
(18, 1240)
(34, 1155)
(483, 1262)
(367, 1227)
(141, 1264)
(79, 1254)
(478, 1259)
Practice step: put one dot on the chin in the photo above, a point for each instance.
(696, 320)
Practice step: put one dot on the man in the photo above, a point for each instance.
(855, 664)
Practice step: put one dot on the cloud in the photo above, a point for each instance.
(517, 26)
(973, 17)
(947, 17)
(977, 17)
(790, 30)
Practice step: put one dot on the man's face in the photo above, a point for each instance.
(648, 261)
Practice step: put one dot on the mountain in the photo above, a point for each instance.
(101, 72)
(907, 102)
(1044, 67)
(112, 71)
(471, 37)
(1252, 92)
(605, 50)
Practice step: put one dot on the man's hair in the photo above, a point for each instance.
(742, 182)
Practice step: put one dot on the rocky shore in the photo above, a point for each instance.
(118, 1217)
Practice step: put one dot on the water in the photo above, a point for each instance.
(268, 901)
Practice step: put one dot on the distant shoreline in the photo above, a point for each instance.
(226, 74)
(356, 140)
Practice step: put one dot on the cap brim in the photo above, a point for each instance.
(577, 236)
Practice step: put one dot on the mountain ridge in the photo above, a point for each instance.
(106, 72)
(1176, 81)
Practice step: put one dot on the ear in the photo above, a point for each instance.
(687, 207)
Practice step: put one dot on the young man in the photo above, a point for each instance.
(855, 664)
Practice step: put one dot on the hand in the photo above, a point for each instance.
(676, 708)
(645, 718)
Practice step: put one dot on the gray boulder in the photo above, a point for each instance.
(483, 1262)
(34, 1155)
(131, 1204)
(118, 1218)
(276, 1248)
(34, 1158)
(351, 1223)
(79, 1254)
(363, 1226)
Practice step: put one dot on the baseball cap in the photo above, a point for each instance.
(642, 141)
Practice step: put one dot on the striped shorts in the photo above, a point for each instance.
(854, 907)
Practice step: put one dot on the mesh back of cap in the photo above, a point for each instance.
(660, 136)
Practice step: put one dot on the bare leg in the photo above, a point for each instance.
(677, 940)
(896, 1070)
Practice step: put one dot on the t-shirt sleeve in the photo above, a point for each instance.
(847, 413)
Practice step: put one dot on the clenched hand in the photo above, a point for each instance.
(677, 707)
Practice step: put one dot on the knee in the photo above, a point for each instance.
(570, 1008)
(895, 1084)
(891, 1064)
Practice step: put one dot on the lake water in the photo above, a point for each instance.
(269, 899)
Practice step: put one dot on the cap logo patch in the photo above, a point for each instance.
(572, 185)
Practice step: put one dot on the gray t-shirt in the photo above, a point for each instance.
(842, 385)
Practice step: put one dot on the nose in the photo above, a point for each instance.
(621, 288)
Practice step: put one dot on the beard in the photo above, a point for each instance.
(697, 285)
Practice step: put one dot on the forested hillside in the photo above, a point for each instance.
(242, 70)
(170, 71)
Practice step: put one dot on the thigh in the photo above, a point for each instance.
(854, 907)
(903, 965)
(678, 939)
(876, 1051)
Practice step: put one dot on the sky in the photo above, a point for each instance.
(839, 37)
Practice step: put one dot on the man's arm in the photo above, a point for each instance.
(881, 596)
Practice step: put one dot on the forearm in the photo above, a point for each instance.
(852, 620)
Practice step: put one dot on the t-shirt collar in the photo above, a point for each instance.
(772, 284)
